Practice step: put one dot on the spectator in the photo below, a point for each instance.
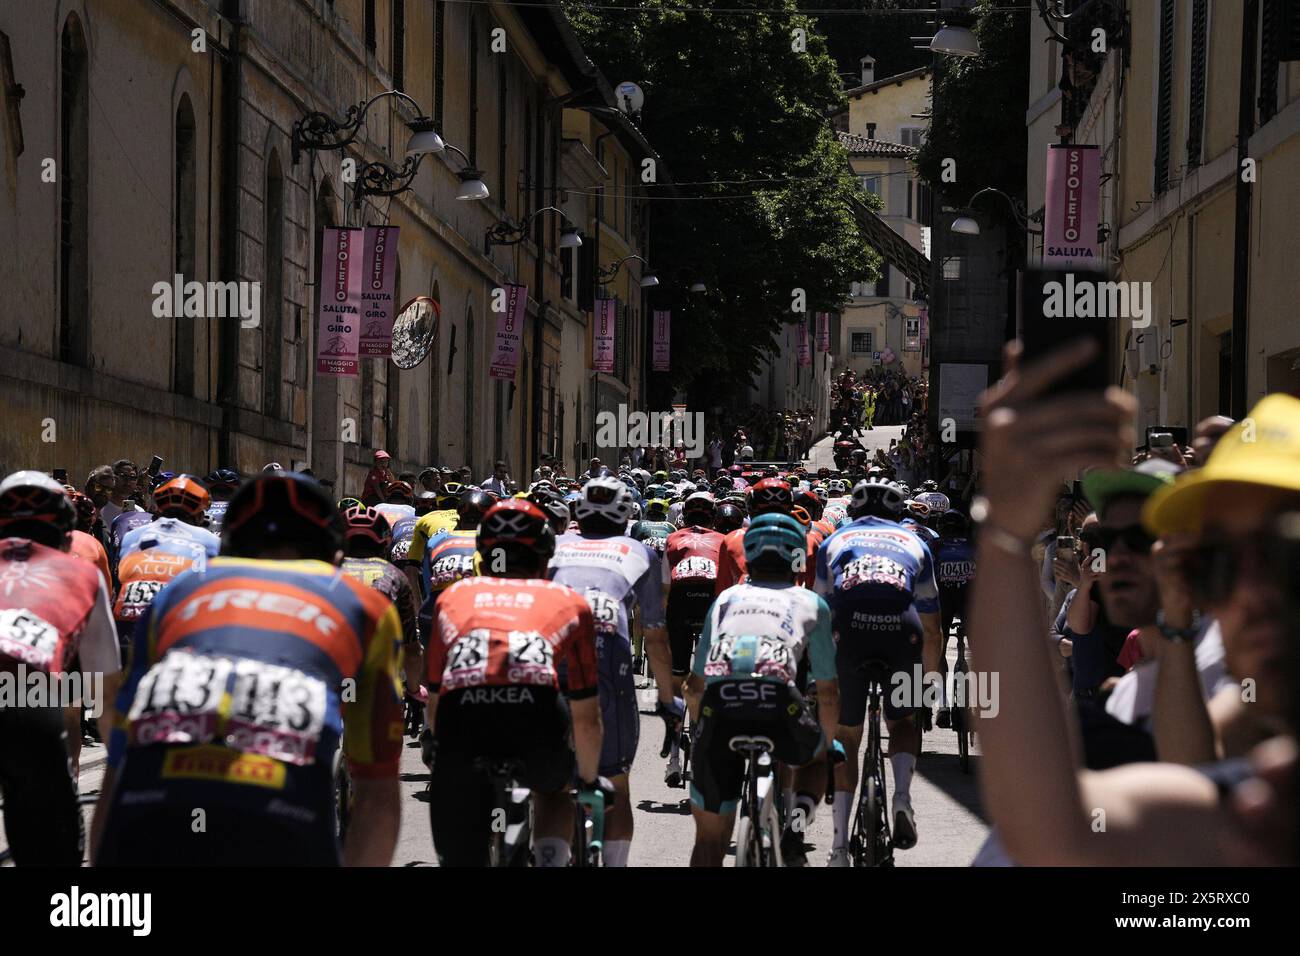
(377, 479)
(498, 482)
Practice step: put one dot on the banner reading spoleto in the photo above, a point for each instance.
(338, 325)
(602, 342)
(505, 361)
(377, 296)
(662, 339)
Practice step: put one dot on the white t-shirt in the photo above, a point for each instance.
(1134, 698)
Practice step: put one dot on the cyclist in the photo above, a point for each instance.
(451, 555)
(954, 570)
(494, 671)
(746, 679)
(728, 518)
(443, 518)
(398, 503)
(879, 580)
(768, 496)
(654, 527)
(55, 620)
(617, 575)
(82, 542)
(553, 505)
(222, 485)
(366, 539)
(241, 677)
(690, 570)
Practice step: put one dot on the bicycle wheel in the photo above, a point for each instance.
(744, 847)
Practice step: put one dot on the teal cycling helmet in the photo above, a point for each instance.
(778, 535)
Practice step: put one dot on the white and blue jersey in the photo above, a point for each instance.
(877, 562)
(171, 536)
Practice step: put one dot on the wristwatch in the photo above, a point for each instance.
(1178, 635)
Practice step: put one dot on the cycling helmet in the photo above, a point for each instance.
(606, 498)
(728, 518)
(425, 502)
(472, 506)
(936, 501)
(876, 496)
(85, 509)
(918, 510)
(810, 502)
(282, 508)
(952, 524)
(346, 503)
(556, 508)
(800, 514)
(33, 505)
(183, 497)
(929, 485)
(723, 483)
(636, 511)
(366, 530)
(771, 494)
(399, 493)
(520, 531)
(656, 509)
(222, 481)
(775, 538)
(837, 488)
(700, 508)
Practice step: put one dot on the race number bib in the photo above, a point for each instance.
(872, 569)
(604, 611)
(27, 638)
(274, 711)
(695, 568)
(400, 550)
(749, 657)
(532, 659)
(450, 568)
(135, 598)
(466, 660)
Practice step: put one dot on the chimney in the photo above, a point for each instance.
(868, 69)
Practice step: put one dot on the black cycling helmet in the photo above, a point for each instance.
(472, 505)
(222, 483)
(282, 509)
(515, 536)
(553, 503)
(367, 532)
(952, 524)
(728, 518)
(34, 506)
(425, 502)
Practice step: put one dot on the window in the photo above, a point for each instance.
(185, 228)
(501, 134)
(1273, 36)
(369, 24)
(1196, 92)
(882, 284)
(568, 262)
(472, 146)
(1164, 95)
(911, 188)
(871, 184)
(860, 343)
(911, 135)
(529, 205)
(399, 44)
(74, 174)
(439, 58)
(272, 285)
(952, 269)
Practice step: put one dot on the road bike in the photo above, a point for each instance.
(758, 826)
(589, 827)
(870, 842)
(512, 818)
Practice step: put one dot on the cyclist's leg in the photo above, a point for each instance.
(903, 652)
(549, 772)
(460, 797)
(715, 789)
(622, 724)
(849, 653)
(42, 819)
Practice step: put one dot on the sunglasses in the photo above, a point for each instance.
(1217, 565)
(1134, 537)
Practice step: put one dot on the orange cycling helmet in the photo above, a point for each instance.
(182, 494)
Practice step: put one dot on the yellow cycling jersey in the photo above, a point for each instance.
(428, 526)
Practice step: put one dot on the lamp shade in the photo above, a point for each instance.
(955, 41)
(472, 185)
(965, 226)
(424, 139)
(649, 280)
(569, 238)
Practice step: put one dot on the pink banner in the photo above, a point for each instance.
(805, 347)
(505, 361)
(823, 331)
(662, 338)
(338, 326)
(1070, 210)
(602, 343)
(377, 312)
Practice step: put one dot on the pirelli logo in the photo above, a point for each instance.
(217, 763)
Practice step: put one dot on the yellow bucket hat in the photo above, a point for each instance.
(1263, 449)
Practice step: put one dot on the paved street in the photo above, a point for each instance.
(878, 437)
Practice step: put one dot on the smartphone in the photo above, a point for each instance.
(1076, 491)
(1064, 544)
(1166, 436)
(1059, 307)
(60, 475)
(155, 465)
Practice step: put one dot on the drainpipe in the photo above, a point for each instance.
(1241, 239)
(228, 255)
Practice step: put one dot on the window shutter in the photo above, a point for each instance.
(1270, 45)
(1196, 94)
(1289, 31)
(1164, 106)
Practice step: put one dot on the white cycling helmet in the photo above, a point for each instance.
(605, 498)
(875, 496)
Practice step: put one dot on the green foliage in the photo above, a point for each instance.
(740, 120)
(980, 117)
(885, 31)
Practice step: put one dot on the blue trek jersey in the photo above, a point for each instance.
(764, 630)
(171, 536)
(880, 561)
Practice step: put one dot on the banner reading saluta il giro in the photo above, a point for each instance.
(377, 311)
(823, 331)
(1070, 209)
(339, 324)
(602, 342)
(662, 338)
(805, 347)
(505, 360)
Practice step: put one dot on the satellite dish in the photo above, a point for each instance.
(415, 330)
(630, 98)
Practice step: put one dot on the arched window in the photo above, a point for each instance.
(471, 148)
(273, 288)
(74, 174)
(184, 238)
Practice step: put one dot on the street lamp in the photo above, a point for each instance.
(955, 41)
(319, 130)
(380, 179)
(968, 226)
(648, 279)
(508, 234)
